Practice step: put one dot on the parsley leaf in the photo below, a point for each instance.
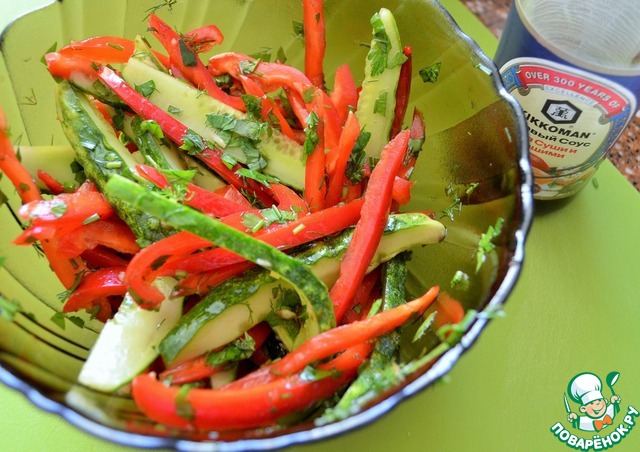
(152, 127)
(174, 110)
(147, 88)
(485, 245)
(193, 143)
(298, 29)
(254, 106)
(380, 46)
(358, 158)
(380, 105)
(430, 74)
(9, 308)
(189, 58)
(248, 67)
(460, 280)
(241, 348)
(264, 179)
(311, 133)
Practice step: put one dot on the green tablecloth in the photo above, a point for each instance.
(575, 309)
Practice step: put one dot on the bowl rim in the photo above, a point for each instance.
(525, 209)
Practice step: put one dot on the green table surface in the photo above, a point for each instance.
(575, 309)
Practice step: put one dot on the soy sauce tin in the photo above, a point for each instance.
(573, 66)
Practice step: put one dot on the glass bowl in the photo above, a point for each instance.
(476, 135)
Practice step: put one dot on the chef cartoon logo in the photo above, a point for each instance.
(594, 412)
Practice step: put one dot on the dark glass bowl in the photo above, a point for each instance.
(476, 135)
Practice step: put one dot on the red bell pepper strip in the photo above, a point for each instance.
(268, 106)
(176, 131)
(201, 283)
(257, 406)
(66, 67)
(50, 182)
(64, 269)
(449, 311)
(138, 277)
(61, 215)
(187, 61)
(106, 50)
(338, 339)
(314, 40)
(369, 229)
(345, 92)
(348, 139)
(402, 93)
(101, 256)
(288, 199)
(365, 296)
(204, 38)
(402, 190)
(198, 368)
(233, 194)
(303, 230)
(94, 287)
(197, 197)
(11, 166)
(418, 135)
(111, 233)
(315, 185)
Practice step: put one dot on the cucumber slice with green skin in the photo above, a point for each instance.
(102, 155)
(377, 100)
(285, 159)
(129, 342)
(313, 293)
(236, 305)
(377, 374)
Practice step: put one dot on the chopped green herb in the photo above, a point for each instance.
(298, 29)
(424, 327)
(308, 95)
(460, 280)
(228, 160)
(281, 57)
(485, 245)
(310, 373)
(241, 348)
(153, 128)
(311, 134)
(9, 308)
(76, 320)
(147, 88)
(430, 74)
(380, 48)
(358, 158)
(59, 319)
(264, 179)
(254, 106)
(252, 221)
(59, 208)
(174, 110)
(115, 46)
(192, 143)
(380, 105)
(166, 3)
(189, 58)
(248, 67)
(91, 219)
(262, 55)
(184, 409)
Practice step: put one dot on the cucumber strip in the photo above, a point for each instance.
(380, 372)
(144, 54)
(57, 161)
(239, 303)
(128, 343)
(377, 100)
(284, 156)
(313, 293)
(102, 155)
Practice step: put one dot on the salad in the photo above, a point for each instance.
(236, 224)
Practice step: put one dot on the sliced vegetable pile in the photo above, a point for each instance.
(237, 224)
